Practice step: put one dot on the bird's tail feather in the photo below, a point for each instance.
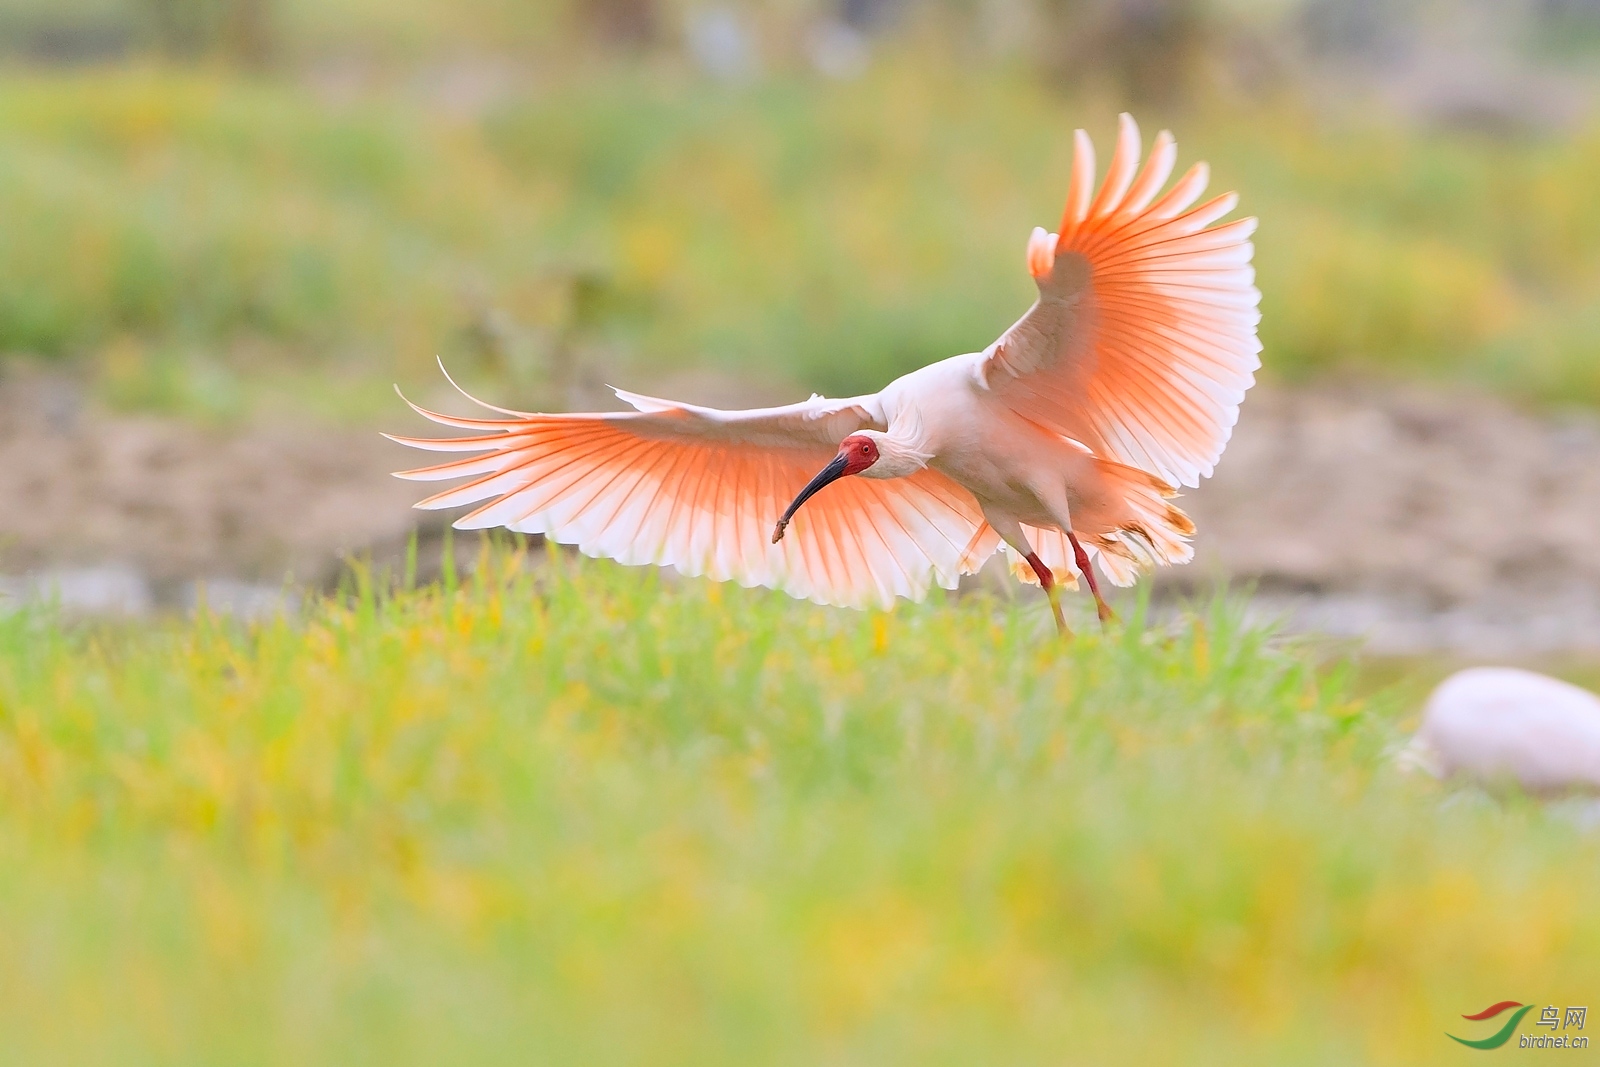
(1150, 532)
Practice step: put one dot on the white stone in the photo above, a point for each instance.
(109, 590)
(838, 51)
(1499, 725)
(722, 45)
(242, 600)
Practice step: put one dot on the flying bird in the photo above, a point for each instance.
(1063, 440)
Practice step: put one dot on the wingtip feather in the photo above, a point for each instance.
(481, 403)
(1081, 188)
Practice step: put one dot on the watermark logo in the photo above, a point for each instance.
(1551, 1016)
(1501, 1036)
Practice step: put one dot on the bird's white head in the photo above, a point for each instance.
(870, 453)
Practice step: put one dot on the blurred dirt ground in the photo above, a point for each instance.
(1421, 521)
(139, 498)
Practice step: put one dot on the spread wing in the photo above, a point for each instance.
(700, 489)
(1143, 339)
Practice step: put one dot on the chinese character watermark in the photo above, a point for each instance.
(1553, 1017)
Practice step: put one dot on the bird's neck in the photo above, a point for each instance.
(900, 452)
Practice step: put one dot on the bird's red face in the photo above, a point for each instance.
(859, 452)
(856, 453)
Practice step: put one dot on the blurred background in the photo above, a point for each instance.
(227, 226)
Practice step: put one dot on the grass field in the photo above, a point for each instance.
(570, 813)
(193, 237)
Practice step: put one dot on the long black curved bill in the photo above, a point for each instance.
(831, 473)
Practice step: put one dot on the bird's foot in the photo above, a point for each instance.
(1061, 620)
(1052, 592)
(1107, 616)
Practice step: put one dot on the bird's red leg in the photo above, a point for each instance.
(1082, 558)
(1048, 580)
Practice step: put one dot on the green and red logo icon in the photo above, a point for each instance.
(1501, 1036)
